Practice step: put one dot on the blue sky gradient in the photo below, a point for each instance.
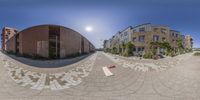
(107, 17)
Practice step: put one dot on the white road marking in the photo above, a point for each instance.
(107, 71)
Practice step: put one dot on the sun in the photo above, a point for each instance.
(88, 28)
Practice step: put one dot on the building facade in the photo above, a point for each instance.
(49, 41)
(142, 35)
(7, 33)
(188, 42)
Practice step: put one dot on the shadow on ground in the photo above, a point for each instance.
(56, 63)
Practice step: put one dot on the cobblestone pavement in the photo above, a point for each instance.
(85, 80)
(145, 65)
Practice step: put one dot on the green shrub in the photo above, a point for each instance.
(128, 50)
(114, 50)
(107, 50)
(125, 54)
(197, 54)
(172, 54)
(188, 50)
(148, 55)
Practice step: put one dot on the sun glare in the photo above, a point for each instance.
(88, 28)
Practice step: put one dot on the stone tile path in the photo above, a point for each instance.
(180, 81)
(145, 65)
(53, 81)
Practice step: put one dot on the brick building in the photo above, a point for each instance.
(142, 35)
(188, 42)
(49, 41)
(7, 33)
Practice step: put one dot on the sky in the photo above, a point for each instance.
(106, 17)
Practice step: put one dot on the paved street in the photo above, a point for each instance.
(175, 78)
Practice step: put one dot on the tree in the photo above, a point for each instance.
(165, 45)
(123, 48)
(114, 50)
(128, 49)
(180, 45)
(154, 46)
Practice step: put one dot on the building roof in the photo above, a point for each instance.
(10, 28)
(126, 28)
(175, 31)
(141, 25)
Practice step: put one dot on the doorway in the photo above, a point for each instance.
(17, 44)
(54, 42)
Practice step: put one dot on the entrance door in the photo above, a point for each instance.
(82, 44)
(54, 42)
(17, 44)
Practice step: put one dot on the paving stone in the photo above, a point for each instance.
(134, 79)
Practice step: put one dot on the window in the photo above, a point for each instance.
(155, 38)
(141, 38)
(126, 40)
(173, 40)
(163, 39)
(142, 29)
(163, 30)
(134, 39)
(134, 49)
(6, 36)
(155, 29)
(140, 48)
(125, 33)
(173, 34)
(176, 35)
